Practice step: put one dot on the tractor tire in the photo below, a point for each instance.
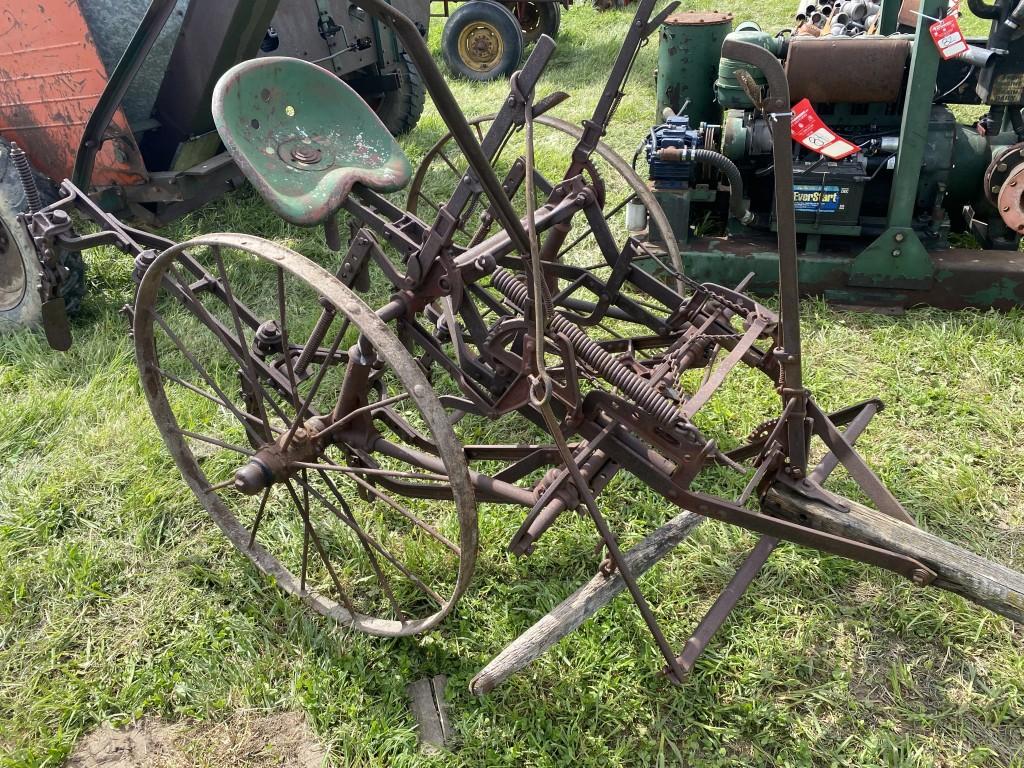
(400, 109)
(536, 18)
(482, 41)
(20, 305)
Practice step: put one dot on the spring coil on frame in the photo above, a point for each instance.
(28, 182)
(637, 388)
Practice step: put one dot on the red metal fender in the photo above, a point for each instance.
(51, 76)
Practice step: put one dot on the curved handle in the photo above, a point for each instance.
(121, 78)
(778, 112)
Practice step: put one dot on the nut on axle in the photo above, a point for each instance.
(275, 462)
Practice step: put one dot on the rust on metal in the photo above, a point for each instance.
(331, 414)
(697, 18)
(829, 69)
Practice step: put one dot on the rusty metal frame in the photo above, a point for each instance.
(617, 402)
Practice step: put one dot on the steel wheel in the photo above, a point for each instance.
(325, 517)
(443, 166)
(480, 46)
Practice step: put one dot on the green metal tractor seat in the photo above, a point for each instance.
(303, 137)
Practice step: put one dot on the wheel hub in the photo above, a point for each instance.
(481, 46)
(276, 462)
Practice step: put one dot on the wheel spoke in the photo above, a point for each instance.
(317, 380)
(218, 443)
(242, 356)
(450, 164)
(212, 399)
(434, 206)
(243, 345)
(259, 516)
(305, 533)
(335, 426)
(253, 435)
(342, 594)
(382, 579)
(590, 230)
(412, 577)
(404, 512)
(372, 472)
(286, 350)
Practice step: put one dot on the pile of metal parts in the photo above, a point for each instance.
(888, 225)
(306, 409)
(849, 19)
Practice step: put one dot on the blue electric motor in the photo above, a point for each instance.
(676, 133)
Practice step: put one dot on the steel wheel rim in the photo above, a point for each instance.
(388, 346)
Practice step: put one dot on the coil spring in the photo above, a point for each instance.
(635, 387)
(28, 181)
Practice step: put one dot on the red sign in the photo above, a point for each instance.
(808, 129)
(948, 37)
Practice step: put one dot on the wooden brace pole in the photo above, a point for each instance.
(958, 570)
(581, 605)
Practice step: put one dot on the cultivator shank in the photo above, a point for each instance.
(520, 303)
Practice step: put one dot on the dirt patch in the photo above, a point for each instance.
(246, 740)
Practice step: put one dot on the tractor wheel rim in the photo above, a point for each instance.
(13, 279)
(480, 46)
(528, 15)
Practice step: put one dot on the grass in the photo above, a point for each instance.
(119, 598)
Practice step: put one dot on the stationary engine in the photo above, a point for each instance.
(917, 178)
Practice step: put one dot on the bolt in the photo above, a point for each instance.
(418, 390)
(899, 237)
(1006, 208)
(896, 252)
(306, 155)
(994, 188)
(1001, 167)
(919, 577)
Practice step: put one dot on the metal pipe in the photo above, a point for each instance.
(976, 56)
(983, 11)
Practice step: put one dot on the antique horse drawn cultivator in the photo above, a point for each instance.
(306, 409)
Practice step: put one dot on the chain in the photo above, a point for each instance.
(717, 337)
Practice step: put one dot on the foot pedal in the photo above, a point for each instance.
(56, 325)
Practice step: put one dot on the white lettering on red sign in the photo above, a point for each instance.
(809, 130)
(948, 37)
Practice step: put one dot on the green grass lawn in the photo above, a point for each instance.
(120, 599)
